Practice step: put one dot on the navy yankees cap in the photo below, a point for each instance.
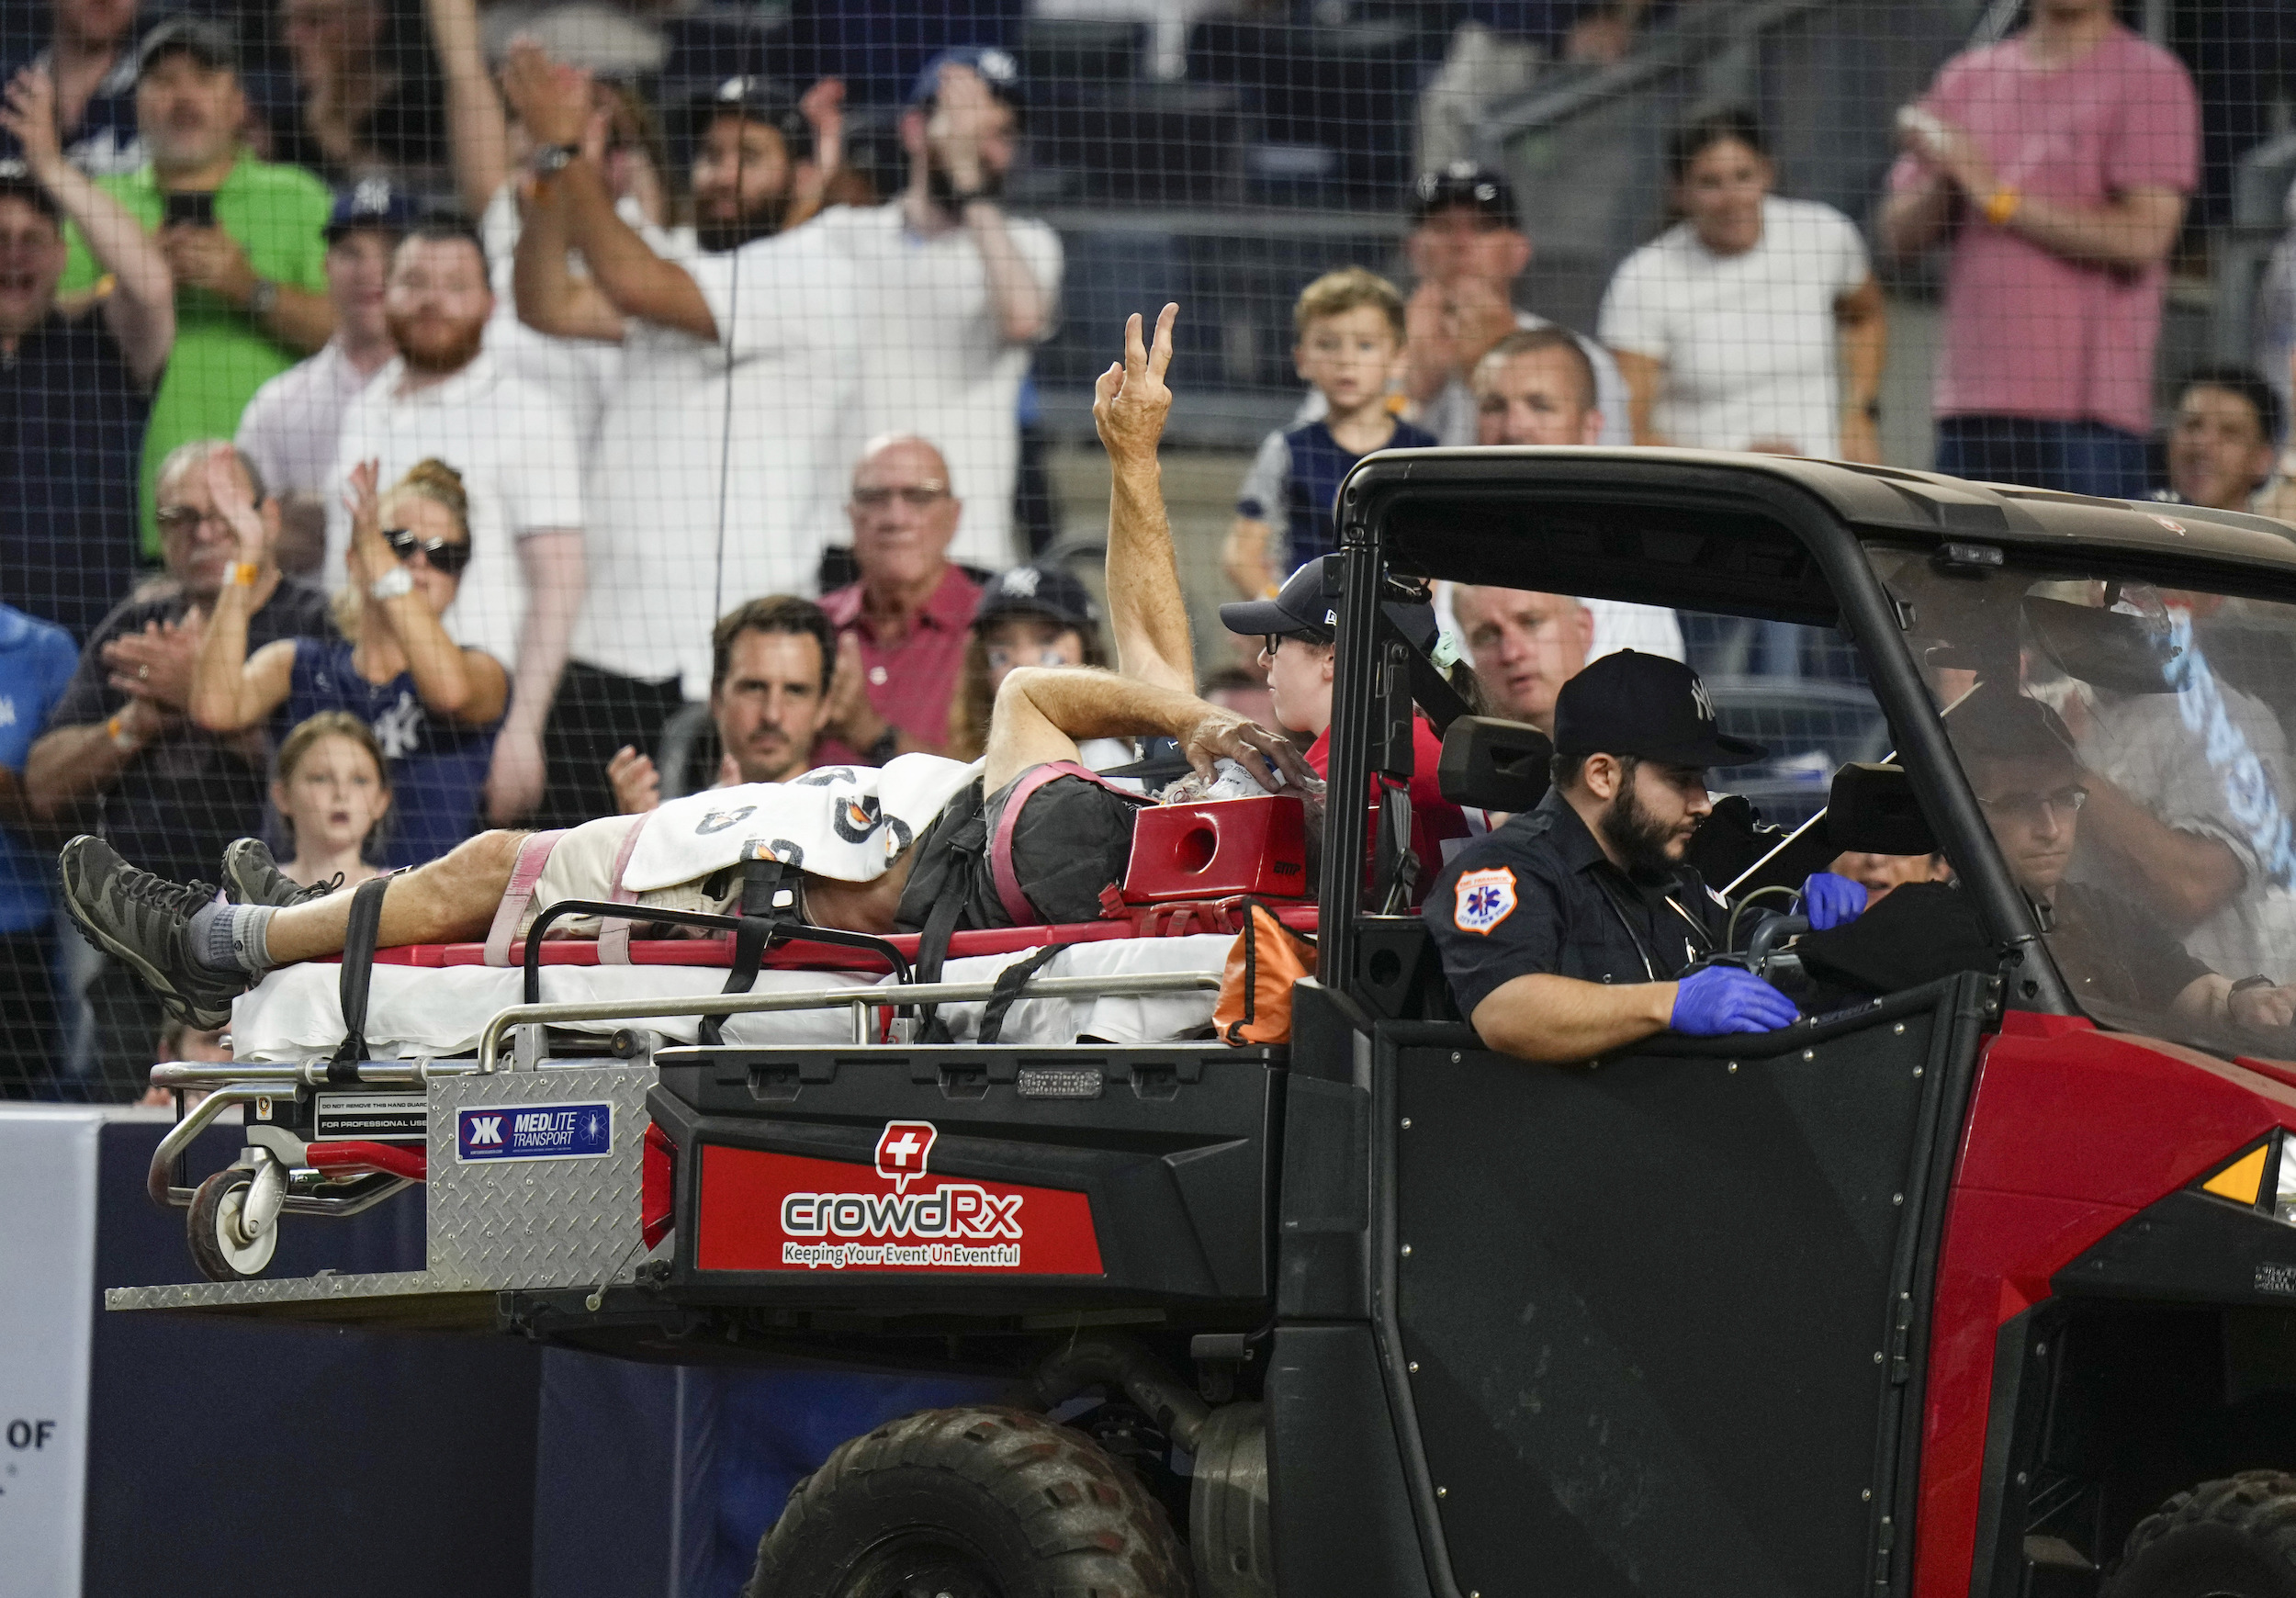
(757, 99)
(997, 68)
(1298, 608)
(1050, 592)
(1464, 182)
(372, 202)
(1648, 706)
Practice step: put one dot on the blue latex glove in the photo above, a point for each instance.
(1829, 900)
(1725, 998)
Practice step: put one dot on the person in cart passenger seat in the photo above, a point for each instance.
(1566, 933)
(876, 828)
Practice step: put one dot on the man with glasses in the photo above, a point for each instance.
(2034, 793)
(121, 753)
(903, 626)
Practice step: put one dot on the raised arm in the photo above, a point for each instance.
(463, 685)
(553, 100)
(477, 134)
(963, 107)
(141, 308)
(1147, 615)
(229, 691)
(551, 299)
(2130, 232)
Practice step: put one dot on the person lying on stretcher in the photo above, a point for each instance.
(877, 850)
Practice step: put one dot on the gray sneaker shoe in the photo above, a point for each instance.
(144, 921)
(252, 877)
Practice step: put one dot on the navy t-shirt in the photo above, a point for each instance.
(437, 767)
(72, 418)
(1294, 486)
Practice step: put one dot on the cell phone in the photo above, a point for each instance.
(191, 209)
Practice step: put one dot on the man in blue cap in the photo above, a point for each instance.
(1574, 928)
(288, 429)
(963, 291)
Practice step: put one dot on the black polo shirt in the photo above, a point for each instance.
(71, 419)
(1538, 895)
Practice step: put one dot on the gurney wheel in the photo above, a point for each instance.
(222, 1252)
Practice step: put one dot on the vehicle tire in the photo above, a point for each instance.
(2235, 1538)
(217, 1247)
(978, 1503)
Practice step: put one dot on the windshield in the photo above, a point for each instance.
(2129, 746)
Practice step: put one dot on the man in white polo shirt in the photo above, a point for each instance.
(958, 292)
(289, 428)
(444, 398)
(719, 472)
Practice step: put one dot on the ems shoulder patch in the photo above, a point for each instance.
(1484, 899)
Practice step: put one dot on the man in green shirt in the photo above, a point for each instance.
(242, 237)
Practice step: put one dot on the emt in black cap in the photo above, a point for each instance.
(1566, 933)
(1297, 629)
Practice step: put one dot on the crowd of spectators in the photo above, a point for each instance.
(441, 434)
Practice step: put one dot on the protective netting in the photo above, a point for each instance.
(651, 315)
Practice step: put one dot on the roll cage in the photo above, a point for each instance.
(1768, 537)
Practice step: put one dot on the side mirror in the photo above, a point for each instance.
(1872, 810)
(1493, 764)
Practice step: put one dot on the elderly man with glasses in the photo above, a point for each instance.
(121, 754)
(903, 625)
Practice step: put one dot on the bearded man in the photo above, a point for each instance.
(1576, 927)
(720, 468)
(444, 398)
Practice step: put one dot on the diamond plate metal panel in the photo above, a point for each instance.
(391, 1299)
(537, 1222)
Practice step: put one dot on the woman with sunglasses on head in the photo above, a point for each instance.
(433, 705)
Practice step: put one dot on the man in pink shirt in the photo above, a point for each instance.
(902, 628)
(2059, 160)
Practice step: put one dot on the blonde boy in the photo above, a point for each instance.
(1350, 329)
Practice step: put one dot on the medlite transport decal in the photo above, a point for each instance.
(763, 1211)
(533, 1131)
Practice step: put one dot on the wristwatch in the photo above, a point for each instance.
(885, 748)
(960, 199)
(553, 158)
(392, 584)
(262, 299)
(2245, 982)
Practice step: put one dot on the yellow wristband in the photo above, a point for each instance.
(120, 740)
(245, 572)
(2001, 205)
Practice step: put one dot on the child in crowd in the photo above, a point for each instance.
(1350, 326)
(433, 705)
(330, 790)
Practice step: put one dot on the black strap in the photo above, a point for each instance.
(769, 899)
(967, 844)
(358, 971)
(1010, 983)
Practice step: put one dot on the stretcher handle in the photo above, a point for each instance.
(1138, 985)
(531, 991)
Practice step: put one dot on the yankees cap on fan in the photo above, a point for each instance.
(759, 99)
(1464, 182)
(1039, 590)
(1648, 706)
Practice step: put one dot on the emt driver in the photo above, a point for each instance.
(1566, 932)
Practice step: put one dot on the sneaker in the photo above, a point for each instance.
(252, 877)
(144, 921)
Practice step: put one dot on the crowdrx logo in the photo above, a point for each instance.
(902, 1149)
(947, 1221)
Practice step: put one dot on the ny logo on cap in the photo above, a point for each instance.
(1699, 697)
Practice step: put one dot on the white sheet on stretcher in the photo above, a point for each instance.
(297, 1013)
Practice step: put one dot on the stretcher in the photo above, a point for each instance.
(337, 1064)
